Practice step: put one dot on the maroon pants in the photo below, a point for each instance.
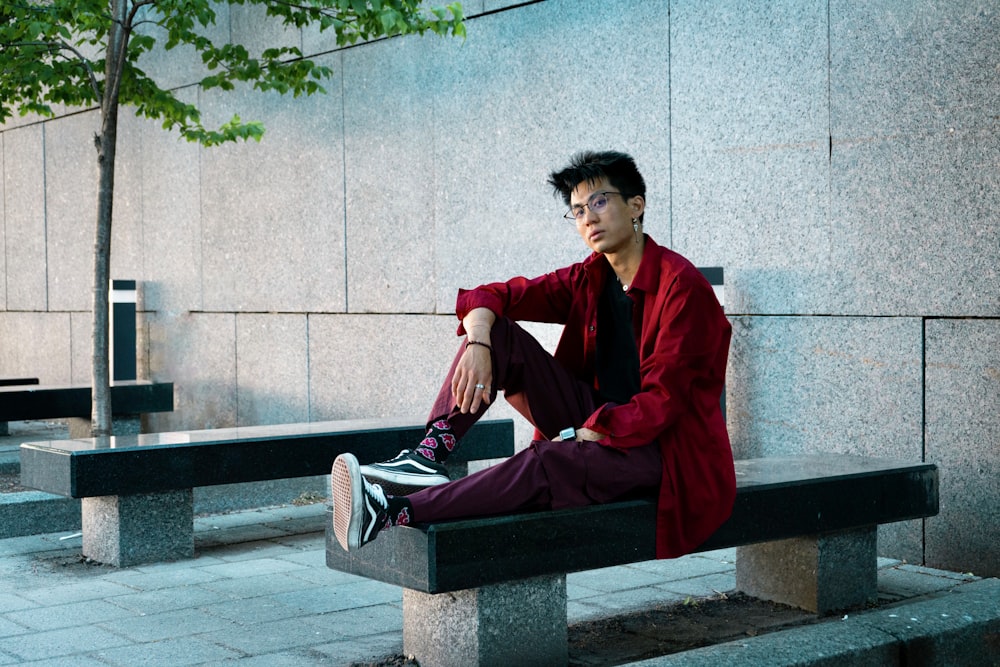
(546, 475)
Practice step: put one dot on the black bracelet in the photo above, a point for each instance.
(476, 342)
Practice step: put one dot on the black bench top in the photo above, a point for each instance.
(156, 462)
(13, 382)
(776, 498)
(23, 402)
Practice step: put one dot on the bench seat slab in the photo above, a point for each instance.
(516, 623)
(155, 462)
(21, 403)
(130, 530)
(777, 499)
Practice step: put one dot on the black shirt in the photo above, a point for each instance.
(617, 354)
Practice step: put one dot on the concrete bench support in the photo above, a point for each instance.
(515, 623)
(129, 530)
(819, 573)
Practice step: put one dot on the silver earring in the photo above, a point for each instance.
(635, 229)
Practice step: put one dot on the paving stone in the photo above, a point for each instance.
(158, 627)
(58, 643)
(68, 615)
(9, 628)
(174, 652)
(10, 602)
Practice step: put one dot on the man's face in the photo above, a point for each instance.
(609, 228)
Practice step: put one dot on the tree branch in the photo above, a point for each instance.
(86, 65)
(58, 47)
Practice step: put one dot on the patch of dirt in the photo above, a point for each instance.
(667, 629)
(389, 661)
(11, 483)
(663, 630)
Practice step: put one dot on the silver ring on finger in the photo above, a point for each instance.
(480, 386)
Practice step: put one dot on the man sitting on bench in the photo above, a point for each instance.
(628, 405)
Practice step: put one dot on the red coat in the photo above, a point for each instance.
(683, 342)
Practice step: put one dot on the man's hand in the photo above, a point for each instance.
(473, 379)
(585, 434)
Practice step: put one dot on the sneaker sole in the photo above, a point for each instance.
(405, 479)
(347, 506)
(394, 489)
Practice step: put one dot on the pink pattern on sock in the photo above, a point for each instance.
(429, 442)
(426, 453)
(449, 441)
(403, 518)
(442, 425)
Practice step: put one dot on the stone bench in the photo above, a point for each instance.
(493, 590)
(137, 490)
(129, 401)
(14, 382)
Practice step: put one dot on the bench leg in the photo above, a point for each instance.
(144, 528)
(517, 623)
(820, 573)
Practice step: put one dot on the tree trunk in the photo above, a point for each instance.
(107, 140)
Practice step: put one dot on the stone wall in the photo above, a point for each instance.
(839, 159)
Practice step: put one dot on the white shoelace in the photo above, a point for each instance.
(377, 494)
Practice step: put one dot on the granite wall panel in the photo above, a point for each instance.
(71, 181)
(914, 157)
(377, 365)
(528, 89)
(70, 209)
(250, 26)
(34, 344)
(197, 352)
(182, 65)
(127, 230)
(24, 219)
(272, 213)
(82, 347)
(963, 439)
(748, 108)
(825, 384)
(914, 225)
(729, 206)
(902, 68)
(390, 178)
(171, 222)
(272, 378)
(3, 234)
(748, 74)
(364, 366)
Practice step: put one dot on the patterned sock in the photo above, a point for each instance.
(400, 511)
(438, 443)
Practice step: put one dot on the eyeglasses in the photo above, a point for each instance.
(597, 202)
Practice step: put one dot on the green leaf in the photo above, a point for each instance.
(40, 70)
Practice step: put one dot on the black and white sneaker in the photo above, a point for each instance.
(406, 473)
(360, 509)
